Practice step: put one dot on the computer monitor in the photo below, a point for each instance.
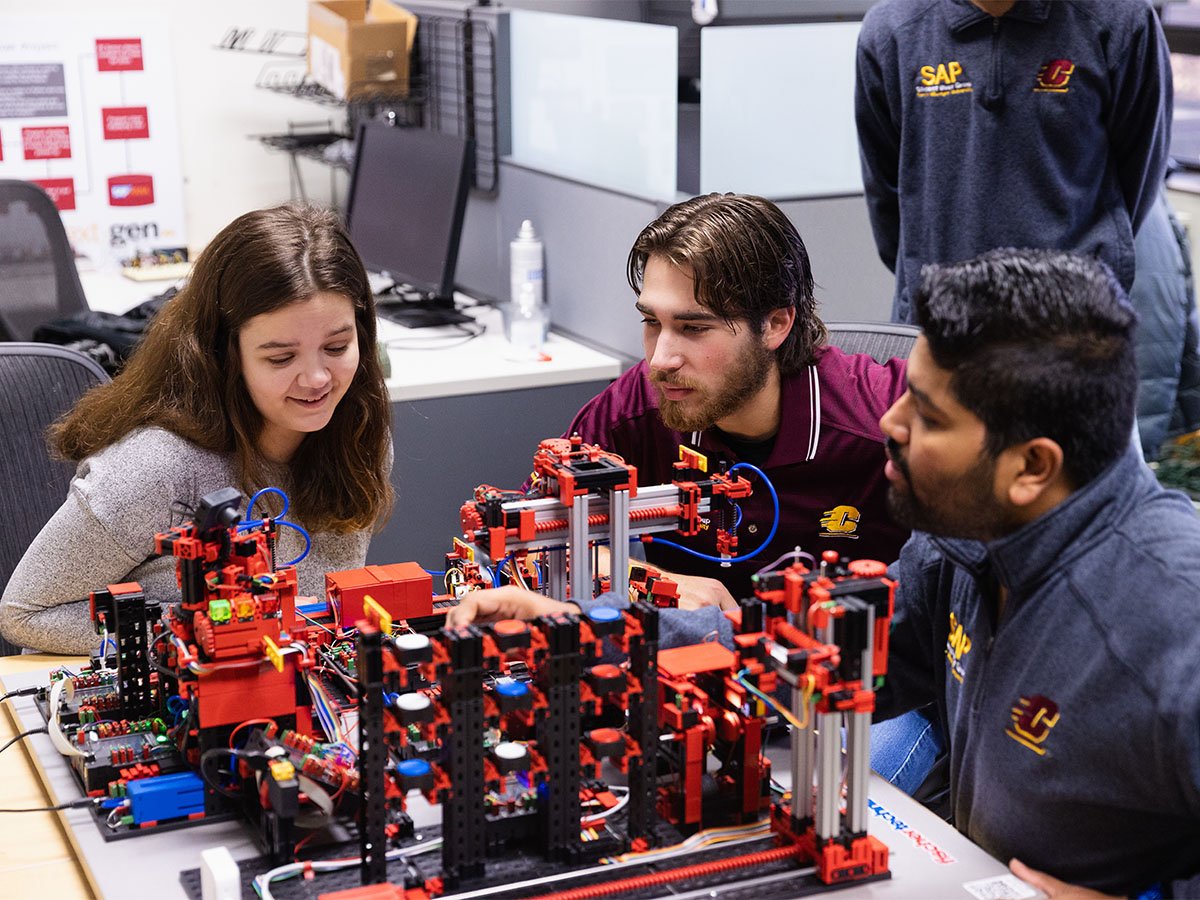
(408, 194)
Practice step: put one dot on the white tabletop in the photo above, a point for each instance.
(110, 291)
(425, 362)
(442, 362)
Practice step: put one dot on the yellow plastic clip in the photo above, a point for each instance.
(465, 550)
(273, 653)
(693, 459)
(371, 606)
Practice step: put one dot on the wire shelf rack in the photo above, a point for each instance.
(452, 90)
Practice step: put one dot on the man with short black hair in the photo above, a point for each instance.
(1049, 600)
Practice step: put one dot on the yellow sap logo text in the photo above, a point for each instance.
(943, 80)
(958, 645)
(958, 641)
(944, 73)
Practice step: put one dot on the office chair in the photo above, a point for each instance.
(880, 340)
(38, 384)
(38, 280)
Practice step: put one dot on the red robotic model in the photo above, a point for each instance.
(825, 633)
(582, 496)
(495, 724)
(508, 726)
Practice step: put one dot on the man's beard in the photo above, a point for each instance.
(747, 375)
(965, 508)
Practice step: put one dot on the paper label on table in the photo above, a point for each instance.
(920, 841)
(1000, 887)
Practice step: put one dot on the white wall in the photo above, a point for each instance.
(225, 172)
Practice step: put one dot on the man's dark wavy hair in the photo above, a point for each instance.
(1040, 344)
(745, 258)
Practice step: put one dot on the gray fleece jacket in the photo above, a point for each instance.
(1074, 718)
(104, 534)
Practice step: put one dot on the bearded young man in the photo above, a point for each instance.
(736, 365)
(1049, 598)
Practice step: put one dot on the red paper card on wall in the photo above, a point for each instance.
(47, 142)
(119, 54)
(61, 190)
(130, 190)
(125, 122)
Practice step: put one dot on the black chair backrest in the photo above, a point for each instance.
(879, 340)
(38, 384)
(38, 279)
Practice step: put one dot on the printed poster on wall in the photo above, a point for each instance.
(87, 111)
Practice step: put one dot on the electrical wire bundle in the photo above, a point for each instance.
(745, 557)
(710, 837)
(589, 822)
(262, 883)
(324, 707)
(808, 691)
(248, 523)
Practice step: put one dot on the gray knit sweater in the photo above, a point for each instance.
(104, 534)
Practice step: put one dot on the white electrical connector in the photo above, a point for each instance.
(54, 729)
(219, 875)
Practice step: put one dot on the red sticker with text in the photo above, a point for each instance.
(123, 123)
(53, 142)
(130, 190)
(61, 190)
(119, 54)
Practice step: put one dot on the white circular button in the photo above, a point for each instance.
(412, 702)
(412, 641)
(510, 751)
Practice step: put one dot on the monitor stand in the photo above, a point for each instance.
(413, 308)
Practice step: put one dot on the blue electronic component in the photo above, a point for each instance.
(413, 768)
(414, 774)
(319, 608)
(511, 688)
(165, 797)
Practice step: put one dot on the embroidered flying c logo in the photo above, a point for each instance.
(1054, 77)
(1032, 719)
(841, 521)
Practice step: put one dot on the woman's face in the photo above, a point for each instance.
(297, 363)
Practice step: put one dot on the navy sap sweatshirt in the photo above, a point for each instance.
(1047, 127)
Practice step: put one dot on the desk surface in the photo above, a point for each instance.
(425, 362)
(41, 857)
(36, 859)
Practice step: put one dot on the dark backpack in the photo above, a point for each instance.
(107, 338)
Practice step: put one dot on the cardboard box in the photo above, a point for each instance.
(356, 52)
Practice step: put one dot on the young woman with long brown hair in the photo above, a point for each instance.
(261, 372)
